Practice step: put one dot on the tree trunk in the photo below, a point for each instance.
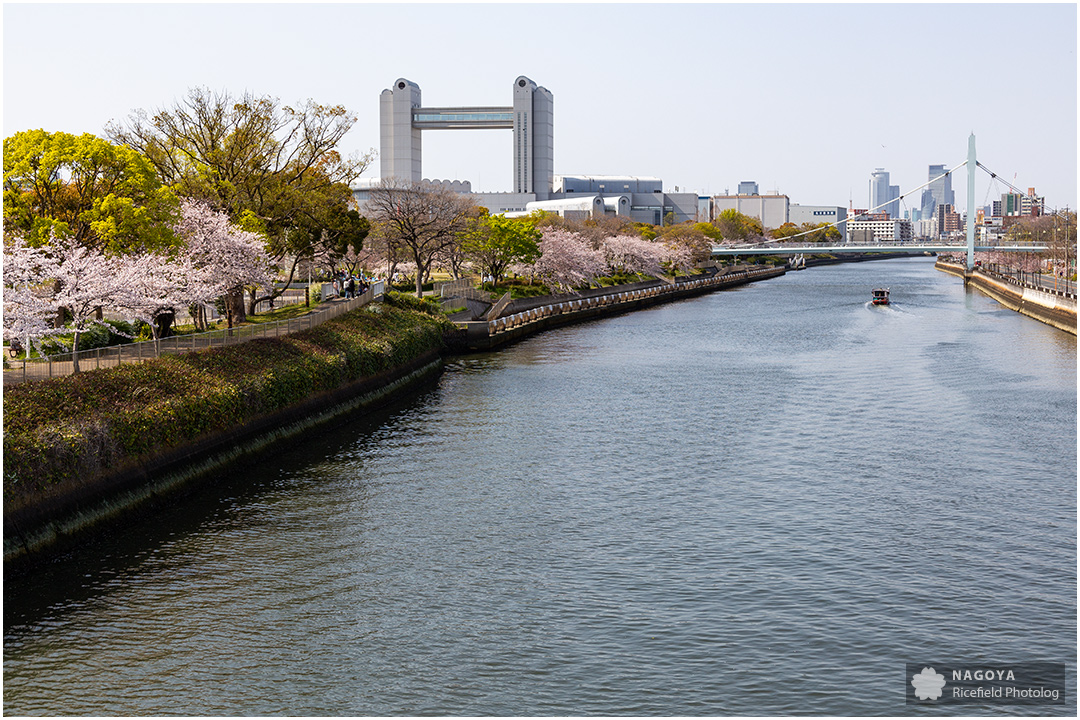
(75, 352)
(234, 306)
(274, 294)
(163, 323)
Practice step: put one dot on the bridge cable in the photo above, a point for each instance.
(909, 192)
(998, 178)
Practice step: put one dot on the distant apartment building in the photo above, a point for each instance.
(1016, 205)
(771, 210)
(747, 187)
(949, 221)
(990, 230)
(864, 229)
(1031, 205)
(817, 214)
(925, 228)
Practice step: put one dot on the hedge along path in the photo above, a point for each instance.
(70, 429)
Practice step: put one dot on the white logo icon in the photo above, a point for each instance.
(928, 684)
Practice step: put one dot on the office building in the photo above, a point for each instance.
(883, 196)
(939, 192)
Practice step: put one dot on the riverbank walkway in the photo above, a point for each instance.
(58, 365)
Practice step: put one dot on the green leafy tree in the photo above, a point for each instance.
(820, 232)
(272, 168)
(786, 230)
(104, 197)
(645, 230)
(735, 226)
(708, 230)
(689, 236)
(343, 235)
(495, 242)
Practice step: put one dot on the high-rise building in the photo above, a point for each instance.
(747, 187)
(883, 196)
(940, 189)
(879, 190)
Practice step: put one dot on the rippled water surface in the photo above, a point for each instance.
(759, 501)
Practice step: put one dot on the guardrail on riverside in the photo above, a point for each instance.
(1035, 281)
(501, 325)
(65, 363)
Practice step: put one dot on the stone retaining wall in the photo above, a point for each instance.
(1050, 308)
(37, 531)
(553, 311)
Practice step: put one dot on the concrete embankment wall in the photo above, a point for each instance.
(534, 315)
(1047, 307)
(34, 532)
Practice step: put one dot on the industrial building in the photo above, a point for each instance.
(817, 214)
(536, 187)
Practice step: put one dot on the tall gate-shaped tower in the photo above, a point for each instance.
(531, 117)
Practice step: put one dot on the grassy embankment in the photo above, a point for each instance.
(71, 429)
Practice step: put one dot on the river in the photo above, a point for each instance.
(761, 501)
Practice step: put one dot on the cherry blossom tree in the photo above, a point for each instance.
(678, 257)
(28, 306)
(87, 280)
(633, 254)
(161, 284)
(220, 259)
(566, 259)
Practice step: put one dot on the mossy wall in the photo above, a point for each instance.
(68, 441)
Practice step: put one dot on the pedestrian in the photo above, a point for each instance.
(352, 287)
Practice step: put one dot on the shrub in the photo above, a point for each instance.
(69, 429)
(409, 301)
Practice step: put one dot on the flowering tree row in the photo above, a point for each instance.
(217, 259)
(1021, 261)
(568, 260)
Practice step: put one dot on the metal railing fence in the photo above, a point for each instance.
(1035, 281)
(61, 364)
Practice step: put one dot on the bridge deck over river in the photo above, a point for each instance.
(817, 248)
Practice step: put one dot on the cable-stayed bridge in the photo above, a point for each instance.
(786, 247)
(779, 248)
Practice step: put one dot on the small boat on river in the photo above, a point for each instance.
(880, 296)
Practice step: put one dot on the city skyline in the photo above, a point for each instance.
(702, 96)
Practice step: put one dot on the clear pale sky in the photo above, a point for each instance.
(806, 99)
